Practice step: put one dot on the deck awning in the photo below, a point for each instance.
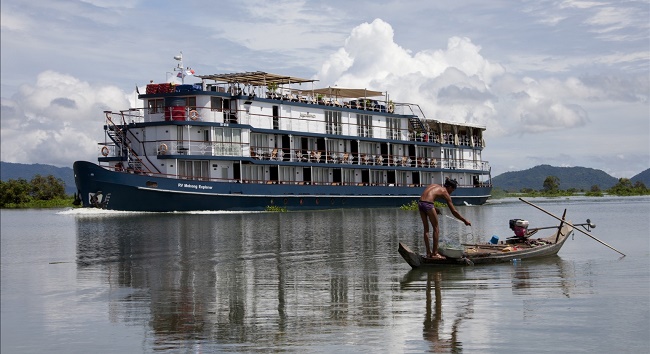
(255, 78)
(347, 92)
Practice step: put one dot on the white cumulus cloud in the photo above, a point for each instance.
(57, 120)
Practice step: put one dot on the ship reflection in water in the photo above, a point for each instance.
(239, 279)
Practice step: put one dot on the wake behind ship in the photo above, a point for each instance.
(248, 141)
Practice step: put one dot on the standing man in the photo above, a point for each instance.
(429, 213)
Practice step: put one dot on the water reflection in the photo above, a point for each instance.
(451, 292)
(441, 339)
(247, 282)
(545, 274)
(239, 278)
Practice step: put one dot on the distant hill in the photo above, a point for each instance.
(580, 178)
(643, 177)
(9, 170)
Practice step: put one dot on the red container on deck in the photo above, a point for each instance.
(175, 108)
(175, 113)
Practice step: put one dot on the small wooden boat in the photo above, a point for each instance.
(514, 248)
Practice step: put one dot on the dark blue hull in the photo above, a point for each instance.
(99, 187)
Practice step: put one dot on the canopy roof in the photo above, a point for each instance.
(347, 92)
(255, 78)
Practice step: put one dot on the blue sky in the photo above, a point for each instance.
(565, 83)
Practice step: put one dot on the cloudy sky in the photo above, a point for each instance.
(564, 83)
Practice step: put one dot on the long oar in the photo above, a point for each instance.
(533, 205)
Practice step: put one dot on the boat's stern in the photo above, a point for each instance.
(412, 258)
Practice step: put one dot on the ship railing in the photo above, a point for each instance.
(360, 104)
(361, 159)
(197, 147)
(327, 183)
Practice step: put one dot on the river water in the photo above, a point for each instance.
(79, 281)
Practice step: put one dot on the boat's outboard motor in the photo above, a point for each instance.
(519, 226)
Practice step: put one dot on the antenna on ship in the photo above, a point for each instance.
(179, 67)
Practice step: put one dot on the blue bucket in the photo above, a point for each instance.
(494, 240)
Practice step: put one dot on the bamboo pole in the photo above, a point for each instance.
(539, 208)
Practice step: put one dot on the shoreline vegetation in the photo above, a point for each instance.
(40, 192)
(48, 192)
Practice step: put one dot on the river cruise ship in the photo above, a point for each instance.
(255, 140)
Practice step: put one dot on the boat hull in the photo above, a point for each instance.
(107, 189)
(556, 240)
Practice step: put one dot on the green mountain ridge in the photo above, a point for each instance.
(580, 178)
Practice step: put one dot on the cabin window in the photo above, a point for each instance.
(193, 170)
(259, 143)
(393, 128)
(288, 174)
(276, 117)
(227, 141)
(321, 175)
(180, 133)
(332, 146)
(347, 176)
(156, 106)
(427, 178)
(367, 148)
(423, 152)
(397, 150)
(377, 178)
(401, 178)
(333, 122)
(450, 158)
(253, 173)
(216, 104)
(190, 102)
(364, 125)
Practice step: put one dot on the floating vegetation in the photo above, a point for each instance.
(276, 208)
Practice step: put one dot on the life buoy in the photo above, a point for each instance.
(105, 151)
(162, 149)
(391, 107)
(194, 115)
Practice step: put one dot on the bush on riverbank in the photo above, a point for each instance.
(624, 187)
(40, 192)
